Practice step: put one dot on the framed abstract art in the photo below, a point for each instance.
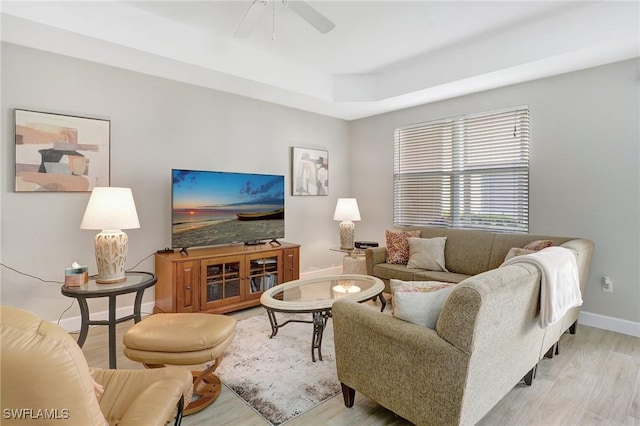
(60, 153)
(309, 171)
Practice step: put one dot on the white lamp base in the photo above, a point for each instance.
(347, 229)
(111, 256)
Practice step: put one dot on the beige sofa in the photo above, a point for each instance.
(486, 339)
(469, 253)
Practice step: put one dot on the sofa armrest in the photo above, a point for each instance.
(584, 251)
(144, 409)
(372, 348)
(373, 256)
(150, 397)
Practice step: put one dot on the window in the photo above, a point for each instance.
(470, 171)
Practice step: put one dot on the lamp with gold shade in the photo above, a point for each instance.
(111, 210)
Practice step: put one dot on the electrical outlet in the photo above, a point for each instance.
(607, 285)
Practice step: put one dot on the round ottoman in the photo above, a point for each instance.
(183, 339)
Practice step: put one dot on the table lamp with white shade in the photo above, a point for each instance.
(110, 210)
(346, 211)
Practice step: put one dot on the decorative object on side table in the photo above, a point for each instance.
(365, 244)
(60, 153)
(346, 211)
(76, 276)
(111, 209)
(310, 171)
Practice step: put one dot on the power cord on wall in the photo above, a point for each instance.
(30, 276)
(63, 312)
(134, 266)
(61, 282)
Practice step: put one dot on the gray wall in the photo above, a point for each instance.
(585, 159)
(584, 178)
(156, 125)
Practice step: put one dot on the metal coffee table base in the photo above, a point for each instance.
(319, 321)
(317, 296)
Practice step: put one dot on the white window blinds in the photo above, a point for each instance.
(464, 172)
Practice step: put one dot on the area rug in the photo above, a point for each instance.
(276, 377)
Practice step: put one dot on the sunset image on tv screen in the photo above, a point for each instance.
(210, 208)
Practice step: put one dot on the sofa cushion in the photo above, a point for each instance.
(398, 246)
(387, 271)
(444, 277)
(419, 302)
(427, 253)
(468, 252)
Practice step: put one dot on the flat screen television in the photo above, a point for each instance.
(214, 208)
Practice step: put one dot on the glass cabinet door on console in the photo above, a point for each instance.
(221, 281)
(263, 272)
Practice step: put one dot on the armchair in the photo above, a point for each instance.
(46, 377)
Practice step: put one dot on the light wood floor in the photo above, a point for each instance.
(594, 381)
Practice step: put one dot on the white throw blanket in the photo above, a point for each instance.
(559, 282)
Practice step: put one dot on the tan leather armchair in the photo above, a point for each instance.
(45, 379)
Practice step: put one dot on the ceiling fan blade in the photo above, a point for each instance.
(247, 24)
(309, 14)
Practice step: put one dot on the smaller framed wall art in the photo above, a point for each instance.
(309, 171)
(60, 153)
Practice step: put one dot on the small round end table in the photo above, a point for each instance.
(135, 282)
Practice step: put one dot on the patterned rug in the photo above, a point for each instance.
(276, 377)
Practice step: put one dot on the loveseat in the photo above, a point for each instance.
(487, 337)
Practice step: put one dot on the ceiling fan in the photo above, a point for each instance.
(306, 12)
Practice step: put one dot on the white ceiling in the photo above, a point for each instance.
(381, 56)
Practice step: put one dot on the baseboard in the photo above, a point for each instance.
(73, 324)
(609, 323)
(335, 270)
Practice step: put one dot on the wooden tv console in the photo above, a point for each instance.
(223, 278)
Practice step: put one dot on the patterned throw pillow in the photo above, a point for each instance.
(517, 251)
(538, 245)
(398, 246)
(532, 247)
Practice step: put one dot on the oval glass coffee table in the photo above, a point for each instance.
(316, 296)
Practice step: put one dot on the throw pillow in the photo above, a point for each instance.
(538, 245)
(419, 302)
(517, 251)
(427, 253)
(398, 246)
